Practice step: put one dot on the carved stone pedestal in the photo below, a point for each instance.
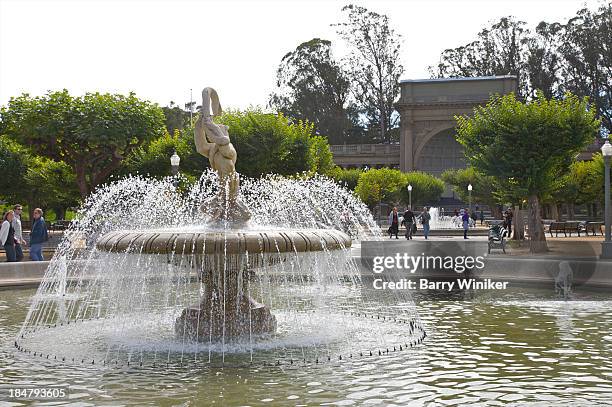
(212, 320)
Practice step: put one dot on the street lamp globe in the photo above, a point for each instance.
(175, 160)
(469, 187)
(606, 149)
(410, 186)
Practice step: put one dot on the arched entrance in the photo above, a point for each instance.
(439, 153)
(428, 108)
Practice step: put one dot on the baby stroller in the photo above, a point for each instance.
(497, 238)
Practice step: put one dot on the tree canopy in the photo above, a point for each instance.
(485, 189)
(528, 146)
(93, 133)
(270, 143)
(34, 180)
(554, 58)
(313, 86)
(390, 186)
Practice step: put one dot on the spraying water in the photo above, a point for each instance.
(125, 306)
(233, 267)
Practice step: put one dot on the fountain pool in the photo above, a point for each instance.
(523, 346)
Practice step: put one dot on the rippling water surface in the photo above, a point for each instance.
(522, 347)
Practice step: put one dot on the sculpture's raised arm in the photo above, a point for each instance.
(216, 133)
(206, 132)
(202, 145)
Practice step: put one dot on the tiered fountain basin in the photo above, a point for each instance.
(223, 260)
(230, 241)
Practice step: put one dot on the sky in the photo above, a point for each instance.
(166, 50)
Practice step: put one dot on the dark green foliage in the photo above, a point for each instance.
(314, 87)
(35, 181)
(176, 118)
(485, 188)
(498, 50)
(554, 58)
(526, 146)
(269, 143)
(426, 188)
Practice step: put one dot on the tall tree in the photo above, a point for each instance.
(92, 133)
(313, 86)
(176, 118)
(498, 50)
(587, 59)
(526, 147)
(374, 64)
(543, 64)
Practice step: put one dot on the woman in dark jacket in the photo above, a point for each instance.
(394, 223)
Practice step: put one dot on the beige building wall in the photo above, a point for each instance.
(427, 110)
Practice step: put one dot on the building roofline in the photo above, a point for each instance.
(474, 78)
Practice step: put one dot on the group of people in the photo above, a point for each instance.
(409, 221)
(11, 235)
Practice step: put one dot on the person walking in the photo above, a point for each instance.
(510, 216)
(466, 222)
(425, 218)
(474, 218)
(7, 236)
(481, 217)
(38, 236)
(394, 222)
(17, 211)
(408, 222)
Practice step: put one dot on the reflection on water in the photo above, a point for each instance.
(519, 347)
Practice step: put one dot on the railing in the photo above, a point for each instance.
(357, 149)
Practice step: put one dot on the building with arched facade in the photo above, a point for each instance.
(427, 109)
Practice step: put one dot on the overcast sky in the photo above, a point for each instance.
(161, 49)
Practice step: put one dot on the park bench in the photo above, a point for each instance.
(573, 227)
(593, 227)
(497, 238)
(556, 227)
(565, 227)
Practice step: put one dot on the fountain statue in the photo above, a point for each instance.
(213, 142)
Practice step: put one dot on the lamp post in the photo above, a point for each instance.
(175, 160)
(606, 246)
(410, 196)
(470, 196)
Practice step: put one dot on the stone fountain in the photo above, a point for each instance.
(226, 251)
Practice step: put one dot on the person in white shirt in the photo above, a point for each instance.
(7, 236)
(19, 241)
